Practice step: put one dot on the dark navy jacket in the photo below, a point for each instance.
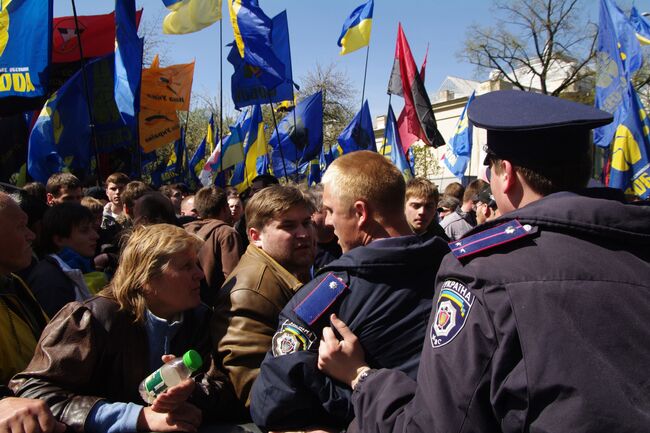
(544, 333)
(384, 292)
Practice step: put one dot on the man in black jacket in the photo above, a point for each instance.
(539, 319)
(382, 284)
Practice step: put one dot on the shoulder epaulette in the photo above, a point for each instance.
(319, 300)
(490, 238)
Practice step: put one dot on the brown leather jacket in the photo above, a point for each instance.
(219, 254)
(92, 351)
(246, 316)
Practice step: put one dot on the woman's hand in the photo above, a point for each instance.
(343, 360)
(186, 417)
(175, 396)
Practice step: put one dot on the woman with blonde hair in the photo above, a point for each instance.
(93, 354)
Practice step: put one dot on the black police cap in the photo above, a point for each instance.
(531, 129)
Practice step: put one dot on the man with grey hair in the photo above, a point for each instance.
(383, 284)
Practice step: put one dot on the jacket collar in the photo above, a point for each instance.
(282, 274)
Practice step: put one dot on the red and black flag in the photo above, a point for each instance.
(405, 81)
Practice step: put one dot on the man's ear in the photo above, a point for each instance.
(508, 176)
(255, 236)
(362, 212)
(50, 198)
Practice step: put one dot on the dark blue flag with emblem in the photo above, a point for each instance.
(246, 86)
(299, 138)
(618, 56)
(25, 32)
(358, 135)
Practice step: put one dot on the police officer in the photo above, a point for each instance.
(382, 285)
(539, 319)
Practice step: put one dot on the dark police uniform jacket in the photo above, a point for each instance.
(384, 292)
(547, 332)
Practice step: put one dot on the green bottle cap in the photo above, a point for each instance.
(192, 360)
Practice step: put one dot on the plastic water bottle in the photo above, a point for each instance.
(170, 374)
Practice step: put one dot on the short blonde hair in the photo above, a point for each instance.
(145, 255)
(366, 176)
(94, 205)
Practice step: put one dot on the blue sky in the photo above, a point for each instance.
(314, 28)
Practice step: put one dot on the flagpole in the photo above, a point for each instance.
(365, 74)
(93, 136)
(221, 90)
(277, 134)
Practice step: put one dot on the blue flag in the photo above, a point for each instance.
(459, 148)
(198, 160)
(252, 30)
(256, 160)
(393, 146)
(247, 88)
(299, 137)
(630, 168)
(618, 57)
(641, 25)
(24, 53)
(174, 170)
(358, 135)
(314, 173)
(61, 138)
(128, 61)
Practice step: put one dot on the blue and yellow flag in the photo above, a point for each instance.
(25, 34)
(128, 62)
(61, 138)
(358, 135)
(197, 161)
(247, 87)
(618, 56)
(188, 16)
(630, 167)
(256, 152)
(174, 170)
(641, 25)
(299, 137)
(459, 149)
(392, 148)
(252, 30)
(355, 33)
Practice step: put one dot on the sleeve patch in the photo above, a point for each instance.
(490, 238)
(320, 299)
(292, 338)
(452, 309)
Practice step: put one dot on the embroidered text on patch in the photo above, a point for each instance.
(454, 305)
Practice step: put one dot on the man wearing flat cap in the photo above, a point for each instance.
(539, 320)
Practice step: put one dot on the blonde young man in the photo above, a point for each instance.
(382, 284)
(275, 265)
(421, 208)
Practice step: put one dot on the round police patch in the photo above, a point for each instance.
(291, 338)
(452, 308)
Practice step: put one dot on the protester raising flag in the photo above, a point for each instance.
(405, 81)
(356, 29)
(256, 160)
(246, 86)
(24, 54)
(188, 16)
(641, 25)
(252, 30)
(618, 56)
(392, 148)
(298, 138)
(358, 135)
(630, 167)
(459, 149)
(128, 62)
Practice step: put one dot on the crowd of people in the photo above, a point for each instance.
(365, 303)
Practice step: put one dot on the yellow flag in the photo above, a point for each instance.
(190, 16)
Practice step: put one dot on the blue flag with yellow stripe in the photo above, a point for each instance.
(356, 30)
(618, 56)
(256, 160)
(641, 25)
(459, 148)
(392, 148)
(630, 167)
(25, 45)
(358, 135)
(128, 62)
